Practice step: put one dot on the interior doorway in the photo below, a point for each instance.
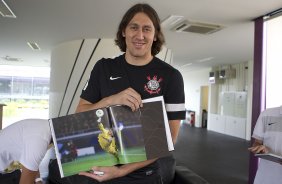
(204, 103)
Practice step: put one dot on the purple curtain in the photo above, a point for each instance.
(257, 88)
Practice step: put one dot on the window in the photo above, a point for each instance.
(273, 61)
(5, 85)
(25, 92)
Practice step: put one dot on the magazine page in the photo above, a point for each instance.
(270, 156)
(83, 140)
(127, 129)
(158, 141)
(167, 128)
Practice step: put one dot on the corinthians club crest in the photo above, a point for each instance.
(153, 85)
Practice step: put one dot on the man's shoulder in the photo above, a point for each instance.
(165, 65)
(274, 111)
(110, 61)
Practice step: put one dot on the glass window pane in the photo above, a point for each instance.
(40, 87)
(273, 55)
(5, 85)
(22, 86)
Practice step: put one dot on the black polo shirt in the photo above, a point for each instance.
(157, 78)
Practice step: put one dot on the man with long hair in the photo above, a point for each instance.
(126, 80)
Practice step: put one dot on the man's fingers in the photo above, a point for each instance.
(131, 92)
(134, 104)
(251, 149)
(262, 149)
(90, 175)
(130, 98)
(101, 173)
(258, 149)
(130, 104)
(127, 97)
(97, 175)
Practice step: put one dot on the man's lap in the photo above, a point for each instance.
(148, 175)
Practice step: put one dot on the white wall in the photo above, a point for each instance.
(71, 65)
(193, 80)
(241, 83)
(272, 50)
(62, 61)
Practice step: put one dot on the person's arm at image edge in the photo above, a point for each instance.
(28, 176)
(174, 129)
(258, 147)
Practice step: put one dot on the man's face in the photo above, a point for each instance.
(139, 36)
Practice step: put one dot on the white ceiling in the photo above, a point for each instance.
(50, 22)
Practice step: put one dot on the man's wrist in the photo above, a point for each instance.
(122, 170)
(107, 101)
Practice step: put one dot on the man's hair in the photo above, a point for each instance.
(152, 14)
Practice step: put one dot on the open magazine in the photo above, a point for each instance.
(110, 136)
(270, 156)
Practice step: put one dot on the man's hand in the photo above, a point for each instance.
(258, 147)
(111, 172)
(127, 97)
(103, 173)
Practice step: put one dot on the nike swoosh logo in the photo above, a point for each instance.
(271, 123)
(114, 78)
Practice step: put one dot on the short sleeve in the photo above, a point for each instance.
(91, 90)
(175, 97)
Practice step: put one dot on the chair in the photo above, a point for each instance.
(183, 175)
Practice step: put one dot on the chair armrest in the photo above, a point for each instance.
(184, 175)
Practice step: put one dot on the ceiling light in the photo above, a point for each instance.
(5, 10)
(204, 60)
(171, 20)
(12, 59)
(33, 45)
(188, 64)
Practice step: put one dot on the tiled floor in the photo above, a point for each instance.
(218, 158)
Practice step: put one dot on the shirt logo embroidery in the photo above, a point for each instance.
(272, 123)
(153, 85)
(114, 78)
